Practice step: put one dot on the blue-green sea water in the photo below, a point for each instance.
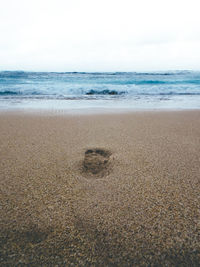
(118, 90)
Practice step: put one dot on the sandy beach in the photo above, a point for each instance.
(100, 190)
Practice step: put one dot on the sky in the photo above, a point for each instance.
(103, 35)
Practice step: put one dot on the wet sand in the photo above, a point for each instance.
(100, 190)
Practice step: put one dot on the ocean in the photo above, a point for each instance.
(81, 91)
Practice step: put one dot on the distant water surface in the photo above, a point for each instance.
(119, 90)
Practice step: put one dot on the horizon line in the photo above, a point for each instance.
(145, 71)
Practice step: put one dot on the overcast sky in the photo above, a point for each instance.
(103, 35)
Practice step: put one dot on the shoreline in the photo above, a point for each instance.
(141, 210)
(92, 111)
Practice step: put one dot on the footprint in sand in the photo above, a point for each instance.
(97, 162)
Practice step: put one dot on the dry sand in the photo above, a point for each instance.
(59, 208)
